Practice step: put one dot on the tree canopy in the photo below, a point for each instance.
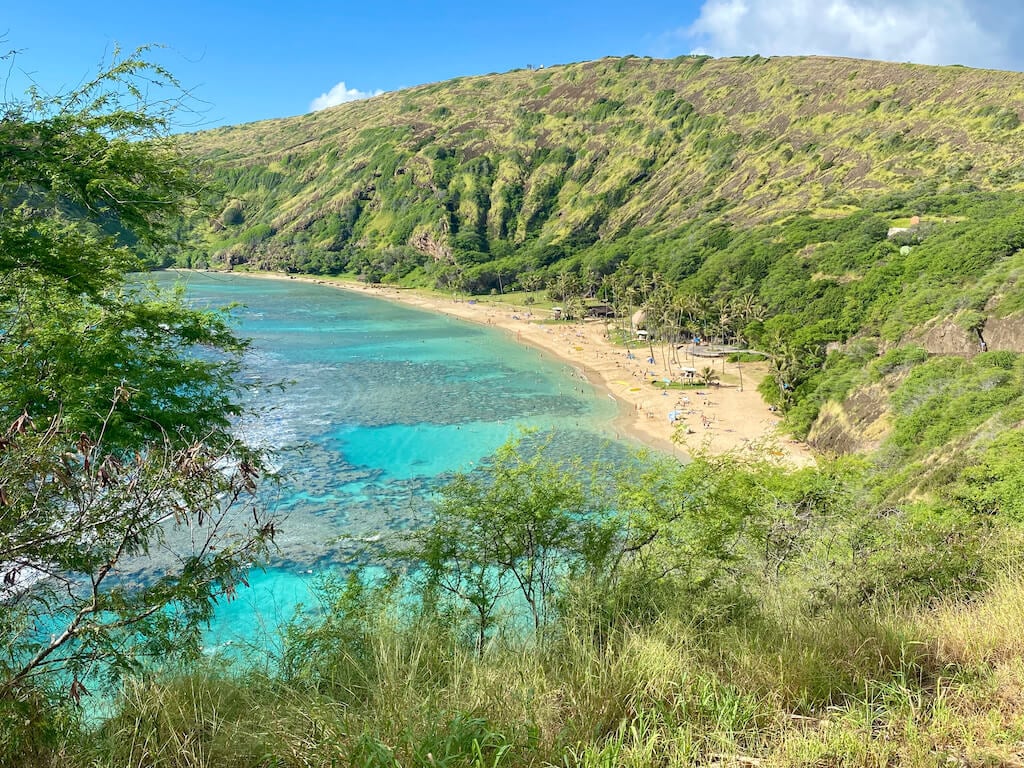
(127, 504)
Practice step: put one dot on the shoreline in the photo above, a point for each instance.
(726, 418)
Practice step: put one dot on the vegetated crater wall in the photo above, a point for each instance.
(860, 423)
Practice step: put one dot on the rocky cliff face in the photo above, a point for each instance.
(947, 338)
(426, 242)
(858, 424)
(1005, 333)
(997, 334)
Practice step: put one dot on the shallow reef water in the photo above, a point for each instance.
(378, 404)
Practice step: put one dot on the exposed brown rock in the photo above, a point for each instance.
(1005, 333)
(858, 424)
(426, 242)
(947, 338)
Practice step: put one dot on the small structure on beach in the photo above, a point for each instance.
(639, 319)
(556, 312)
(707, 350)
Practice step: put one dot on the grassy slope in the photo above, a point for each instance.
(857, 648)
(772, 179)
(593, 151)
(851, 686)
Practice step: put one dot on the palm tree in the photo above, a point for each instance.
(575, 309)
(630, 297)
(531, 281)
(723, 317)
(697, 311)
(708, 375)
(656, 312)
(749, 307)
(670, 323)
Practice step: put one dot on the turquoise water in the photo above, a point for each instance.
(382, 402)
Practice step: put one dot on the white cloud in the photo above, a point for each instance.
(339, 94)
(921, 31)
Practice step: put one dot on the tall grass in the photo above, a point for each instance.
(877, 685)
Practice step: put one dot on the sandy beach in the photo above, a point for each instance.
(727, 417)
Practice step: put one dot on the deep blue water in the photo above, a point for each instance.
(381, 402)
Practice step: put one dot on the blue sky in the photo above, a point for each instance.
(257, 60)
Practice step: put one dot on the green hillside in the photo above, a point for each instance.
(522, 170)
(858, 224)
(824, 210)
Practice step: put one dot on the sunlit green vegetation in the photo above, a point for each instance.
(721, 611)
(536, 167)
(856, 224)
(754, 196)
(116, 403)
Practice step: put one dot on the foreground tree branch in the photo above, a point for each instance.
(101, 523)
(127, 505)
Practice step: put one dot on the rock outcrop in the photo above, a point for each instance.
(426, 242)
(947, 338)
(1005, 333)
(858, 424)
